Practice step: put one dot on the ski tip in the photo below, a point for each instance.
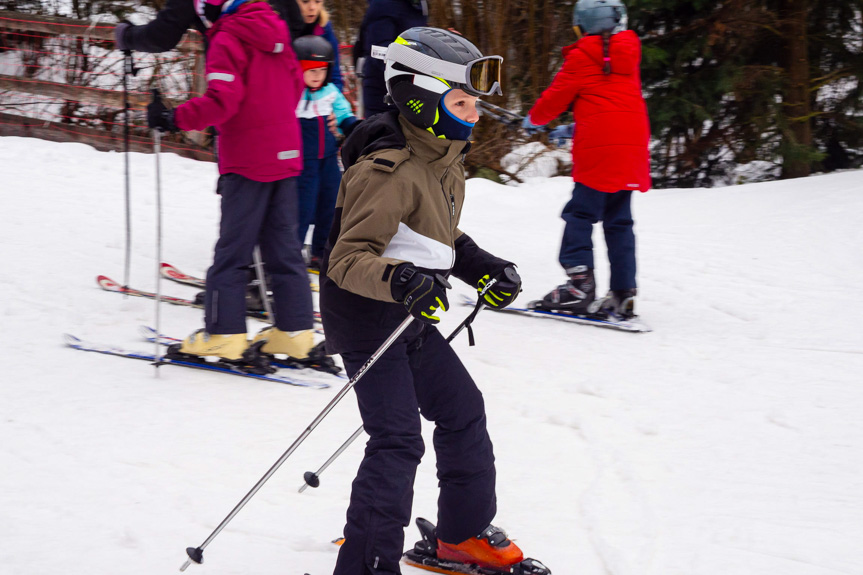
(70, 339)
(146, 331)
(107, 283)
(172, 273)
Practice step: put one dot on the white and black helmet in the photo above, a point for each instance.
(424, 63)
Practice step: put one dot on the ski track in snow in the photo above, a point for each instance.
(727, 442)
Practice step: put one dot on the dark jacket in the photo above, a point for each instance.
(165, 31)
(383, 22)
(400, 201)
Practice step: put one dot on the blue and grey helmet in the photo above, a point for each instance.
(599, 16)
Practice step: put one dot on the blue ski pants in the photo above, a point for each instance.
(419, 374)
(318, 189)
(586, 207)
(265, 214)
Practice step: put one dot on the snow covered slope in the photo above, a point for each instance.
(729, 441)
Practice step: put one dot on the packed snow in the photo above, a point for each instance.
(728, 441)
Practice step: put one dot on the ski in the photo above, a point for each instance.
(429, 563)
(110, 285)
(172, 273)
(606, 320)
(149, 334)
(424, 556)
(216, 366)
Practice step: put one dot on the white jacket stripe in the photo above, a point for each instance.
(420, 250)
(220, 76)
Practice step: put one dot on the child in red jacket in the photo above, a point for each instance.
(600, 81)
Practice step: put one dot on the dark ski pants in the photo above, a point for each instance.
(318, 188)
(262, 213)
(587, 207)
(419, 374)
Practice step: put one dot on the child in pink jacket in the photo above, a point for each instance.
(254, 83)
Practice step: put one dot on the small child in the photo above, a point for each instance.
(252, 72)
(319, 182)
(600, 82)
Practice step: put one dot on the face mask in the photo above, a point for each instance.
(451, 127)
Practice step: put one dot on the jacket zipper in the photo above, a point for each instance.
(322, 127)
(451, 216)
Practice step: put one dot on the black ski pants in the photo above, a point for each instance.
(265, 214)
(419, 375)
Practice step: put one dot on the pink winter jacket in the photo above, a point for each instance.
(254, 83)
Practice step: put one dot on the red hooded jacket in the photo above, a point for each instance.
(254, 83)
(609, 144)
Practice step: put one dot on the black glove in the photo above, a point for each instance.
(349, 124)
(501, 290)
(421, 294)
(159, 117)
(120, 36)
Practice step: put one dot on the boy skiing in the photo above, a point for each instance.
(319, 183)
(253, 85)
(601, 83)
(396, 228)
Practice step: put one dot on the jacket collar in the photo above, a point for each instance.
(439, 153)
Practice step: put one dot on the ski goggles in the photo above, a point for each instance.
(480, 77)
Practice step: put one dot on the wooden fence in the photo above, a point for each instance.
(61, 80)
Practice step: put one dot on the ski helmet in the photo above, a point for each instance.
(315, 52)
(598, 16)
(424, 63)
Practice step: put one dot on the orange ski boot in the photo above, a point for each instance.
(489, 553)
(491, 549)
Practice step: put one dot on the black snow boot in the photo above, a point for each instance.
(577, 295)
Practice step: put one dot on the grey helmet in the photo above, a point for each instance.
(424, 63)
(315, 49)
(599, 16)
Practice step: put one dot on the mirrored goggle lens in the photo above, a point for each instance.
(484, 74)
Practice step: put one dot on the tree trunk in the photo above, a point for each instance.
(798, 135)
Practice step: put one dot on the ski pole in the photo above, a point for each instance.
(157, 149)
(504, 116)
(196, 554)
(128, 70)
(262, 285)
(312, 478)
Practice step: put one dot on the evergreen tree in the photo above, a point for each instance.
(733, 82)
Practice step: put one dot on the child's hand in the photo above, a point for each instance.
(331, 124)
(562, 133)
(529, 126)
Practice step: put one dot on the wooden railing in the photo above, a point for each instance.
(61, 79)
